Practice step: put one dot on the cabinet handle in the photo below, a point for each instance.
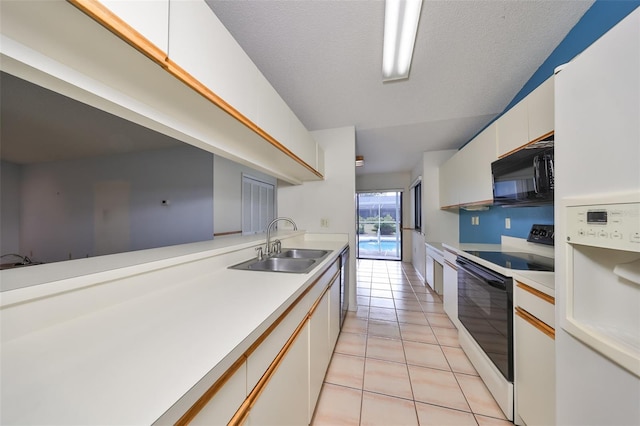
(549, 331)
(537, 293)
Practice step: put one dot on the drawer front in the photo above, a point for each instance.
(538, 304)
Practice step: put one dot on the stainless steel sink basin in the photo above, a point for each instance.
(278, 264)
(298, 261)
(302, 254)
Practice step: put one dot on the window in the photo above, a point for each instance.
(416, 198)
(258, 205)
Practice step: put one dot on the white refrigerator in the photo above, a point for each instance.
(597, 218)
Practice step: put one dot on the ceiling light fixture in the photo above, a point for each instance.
(359, 161)
(400, 27)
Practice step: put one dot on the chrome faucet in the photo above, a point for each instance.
(269, 249)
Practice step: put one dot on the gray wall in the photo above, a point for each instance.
(10, 175)
(61, 215)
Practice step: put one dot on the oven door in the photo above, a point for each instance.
(485, 309)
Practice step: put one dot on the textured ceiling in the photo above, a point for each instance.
(471, 58)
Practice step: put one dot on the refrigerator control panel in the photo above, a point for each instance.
(615, 226)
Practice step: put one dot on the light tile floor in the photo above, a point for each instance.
(398, 362)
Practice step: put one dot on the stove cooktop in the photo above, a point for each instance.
(516, 260)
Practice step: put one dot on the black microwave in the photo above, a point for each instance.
(524, 177)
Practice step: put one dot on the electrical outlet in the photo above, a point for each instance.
(475, 220)
(324, 223)
(507, 223)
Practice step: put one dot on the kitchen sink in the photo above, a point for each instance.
(297, 261)
(302, 254)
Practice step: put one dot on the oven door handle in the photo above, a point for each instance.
(489, 279)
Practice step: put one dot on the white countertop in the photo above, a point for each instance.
(130, 361)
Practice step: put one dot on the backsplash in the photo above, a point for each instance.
(492, 223)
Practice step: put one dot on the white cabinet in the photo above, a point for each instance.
(199, 43)
(513, 129)
(202, 46)
(150, 18)
(540, 106)
(474, 167)
(465, 179)
(434, 270)
(450, 287)
(450, 181)
(528, 120)
(534, 356)
(284, 400)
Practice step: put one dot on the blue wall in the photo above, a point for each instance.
(600, 18)
(492, 222)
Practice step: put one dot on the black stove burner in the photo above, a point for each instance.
(516, 260)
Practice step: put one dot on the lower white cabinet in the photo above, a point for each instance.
(279, 381)
(534, 356)
(284, 400)
(535, 375)
(450, 287)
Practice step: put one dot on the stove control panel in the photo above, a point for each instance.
(615, 226)
(541, 234)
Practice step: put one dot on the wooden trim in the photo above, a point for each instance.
(102, 15)
(549, 331)
(546, 135)
(327, 288)
(105, 17)
(193, 411)
(222, 234)
(451, 265)
(537, 293)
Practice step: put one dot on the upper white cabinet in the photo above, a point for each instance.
(528, 120)
(513, 129)
(150, 18)
(465, 179)
(199, 43)
(450, 181)
(541, 110)
(475, 167)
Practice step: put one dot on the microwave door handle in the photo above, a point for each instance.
(536, 174)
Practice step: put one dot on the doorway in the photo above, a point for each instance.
(379, 217)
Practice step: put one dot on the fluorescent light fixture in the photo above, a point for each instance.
(400, 26)
(359, 161)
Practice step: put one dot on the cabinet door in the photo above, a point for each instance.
(285, 399)
(541, 110)
(450, 291)
(199, 43)
(476, 186)
(319, 350)
(429, 269)
(513, 128)
(535, 374)
(150, 18)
